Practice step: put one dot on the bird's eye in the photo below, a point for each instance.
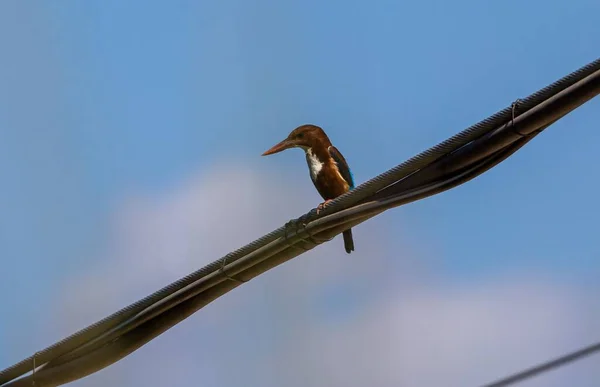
(300, 135)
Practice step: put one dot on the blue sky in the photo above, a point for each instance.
(106, 102)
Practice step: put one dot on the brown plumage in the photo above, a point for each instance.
(328, 169)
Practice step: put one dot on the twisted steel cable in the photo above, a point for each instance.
(270, 243)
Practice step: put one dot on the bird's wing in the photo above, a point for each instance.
(342, 165)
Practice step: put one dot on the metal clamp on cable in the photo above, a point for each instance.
(311, 237)
(33, 383)
(513, 108)
(285, 235)
(222, 270)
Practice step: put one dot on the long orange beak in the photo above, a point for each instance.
(283, 145)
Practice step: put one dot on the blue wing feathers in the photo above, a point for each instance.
(342, 165)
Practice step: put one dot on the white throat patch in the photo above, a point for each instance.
(314, 164)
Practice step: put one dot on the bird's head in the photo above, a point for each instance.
(305, 137)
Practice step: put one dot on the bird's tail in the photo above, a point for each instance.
(348, 241)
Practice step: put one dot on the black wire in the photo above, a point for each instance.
(169, 302)
(132, 340)
(63, 372)
(458, 140)
(93, 332)
(545, 367)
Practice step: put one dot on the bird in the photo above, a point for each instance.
(328, 169)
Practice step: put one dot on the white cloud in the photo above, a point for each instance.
(323, 319)
(440, 336)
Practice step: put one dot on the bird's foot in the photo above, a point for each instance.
(321, 206)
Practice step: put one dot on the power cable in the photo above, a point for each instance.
(448, 164)
(545, 367)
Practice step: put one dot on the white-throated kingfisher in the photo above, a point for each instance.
(328, 169)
